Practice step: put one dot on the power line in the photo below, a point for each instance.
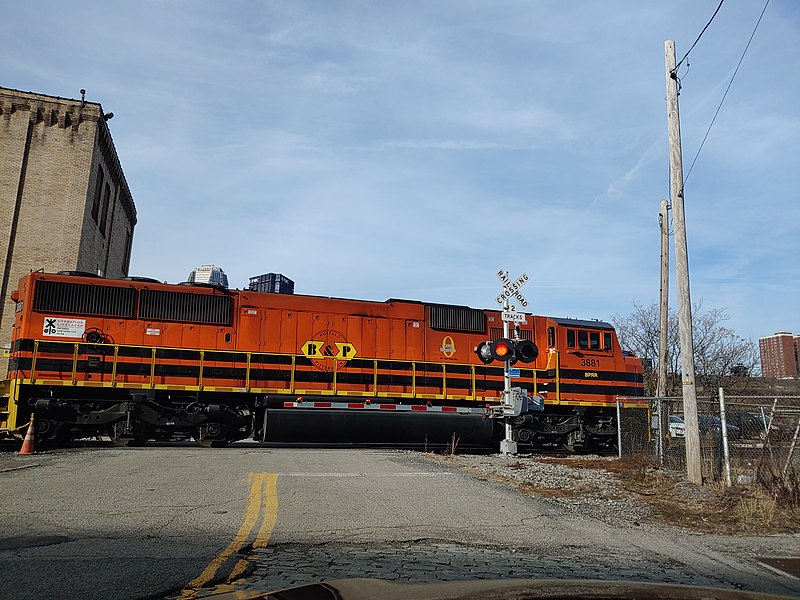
(730, 83)
(675, 70)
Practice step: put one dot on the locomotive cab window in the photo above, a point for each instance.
(551, 337)
(588, 340)
(594, 340)
(583, 340)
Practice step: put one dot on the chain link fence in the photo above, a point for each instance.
(744, 439)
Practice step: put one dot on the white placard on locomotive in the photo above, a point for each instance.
(71, 328)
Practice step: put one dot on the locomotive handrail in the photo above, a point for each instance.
(33, 360)
(75, 364)
(153, 367)
(114, 366)
(152, 362)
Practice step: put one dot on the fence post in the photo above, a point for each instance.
(724, 433)
(619, 431)
(791, 448)
(660, 429)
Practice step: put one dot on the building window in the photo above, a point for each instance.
(104, 213)
(127, 259)
(98, 190)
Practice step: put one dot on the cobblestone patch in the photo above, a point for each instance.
(291, 565)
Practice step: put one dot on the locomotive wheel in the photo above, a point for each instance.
(119, 437)
(525, 436)
(51, 434)
(211, 435)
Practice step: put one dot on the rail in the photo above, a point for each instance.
(421, 372)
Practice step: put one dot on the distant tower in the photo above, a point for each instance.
(272, 282)
(779, 355)
(208, 274)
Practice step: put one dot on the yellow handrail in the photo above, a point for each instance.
(114, 365)
(200, 373)
(153, 367)
(248, 374)
(75, 364)
(33, 360)
(472, 382)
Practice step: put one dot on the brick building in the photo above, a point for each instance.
(64, 201)
(779, 355)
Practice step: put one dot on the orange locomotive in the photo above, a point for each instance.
(138, 359)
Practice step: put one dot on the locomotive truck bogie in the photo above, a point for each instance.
(141, 417)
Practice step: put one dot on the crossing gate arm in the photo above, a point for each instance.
(461, 410)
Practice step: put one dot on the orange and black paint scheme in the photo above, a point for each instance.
(138, 359)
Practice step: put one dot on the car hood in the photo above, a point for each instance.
(517, 589)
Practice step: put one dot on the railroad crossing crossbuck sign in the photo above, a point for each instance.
(511, 290)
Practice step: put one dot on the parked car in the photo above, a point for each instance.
(677, 428)
(713, 424)
(753, 425)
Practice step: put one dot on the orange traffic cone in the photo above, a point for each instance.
(27, 445)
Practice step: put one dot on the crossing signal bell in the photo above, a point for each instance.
(504, 349)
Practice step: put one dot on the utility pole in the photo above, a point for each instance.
(693, 466)
(663, 309)
(663, 325)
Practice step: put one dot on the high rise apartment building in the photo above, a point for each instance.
(779, 355)
(64, 201)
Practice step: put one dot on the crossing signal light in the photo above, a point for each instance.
(526, 351)
(502, 349)
(505, 349)
(484, 352)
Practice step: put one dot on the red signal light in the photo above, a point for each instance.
(502, 350)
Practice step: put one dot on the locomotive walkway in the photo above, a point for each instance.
(179, 521)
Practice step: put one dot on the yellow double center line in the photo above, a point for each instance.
(263, 494)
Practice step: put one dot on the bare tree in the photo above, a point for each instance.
(722, 358)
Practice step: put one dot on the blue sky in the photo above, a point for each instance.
(382, 149)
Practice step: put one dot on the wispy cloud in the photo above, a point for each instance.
(387, 149)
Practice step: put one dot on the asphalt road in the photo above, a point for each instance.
(180, 521)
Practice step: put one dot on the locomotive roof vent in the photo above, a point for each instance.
(141, 279)
(583, 323)
(213, 286)
(80, 274)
